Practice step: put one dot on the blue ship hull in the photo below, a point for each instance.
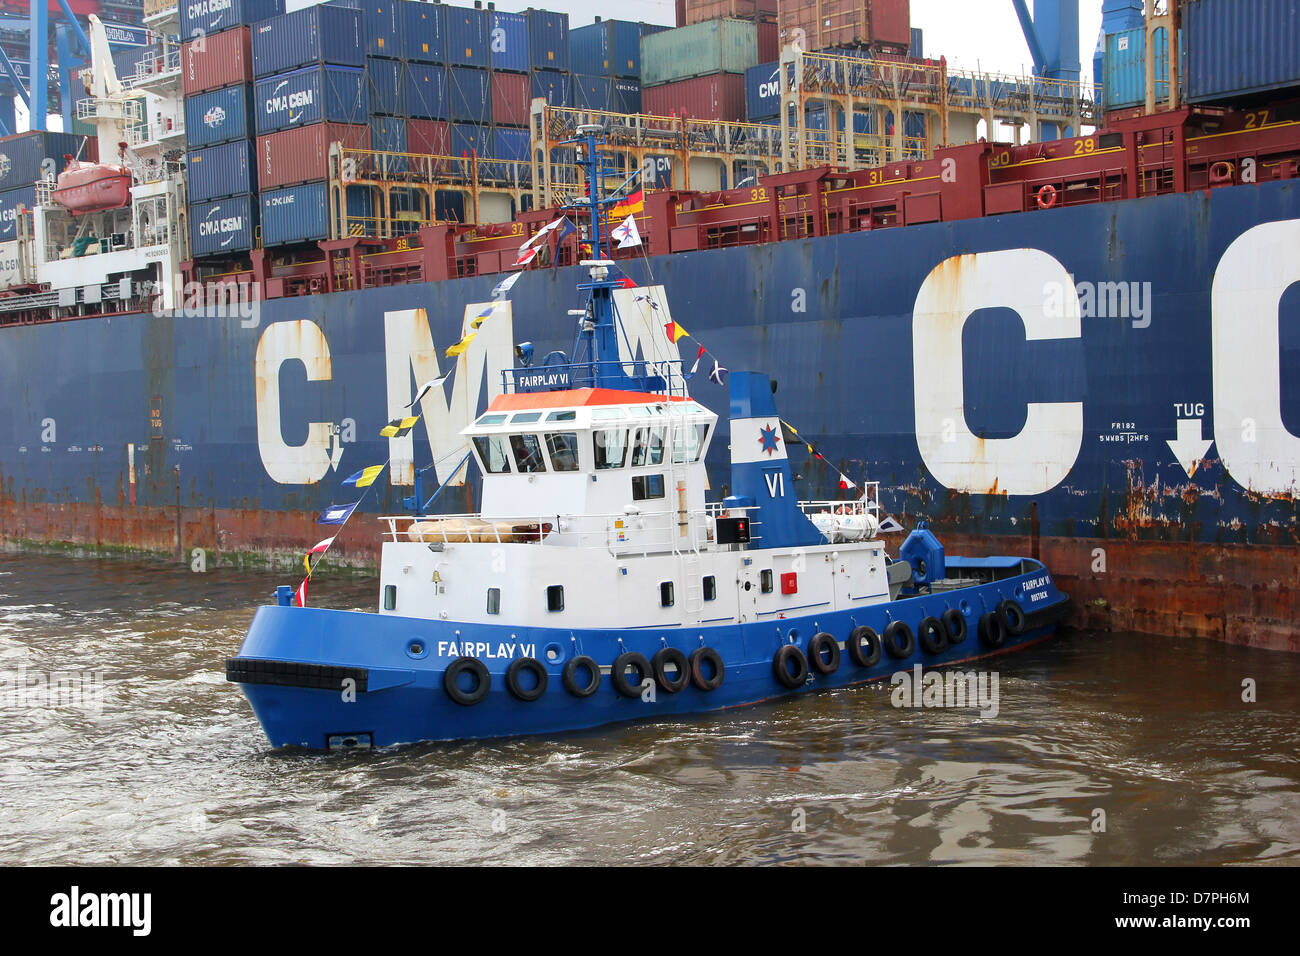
(398, 697)
(831, 318)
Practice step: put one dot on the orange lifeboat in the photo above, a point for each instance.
(92, 187)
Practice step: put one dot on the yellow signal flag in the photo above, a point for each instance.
(675, 332)
(460, 347)
(365, 477)
(398, 427)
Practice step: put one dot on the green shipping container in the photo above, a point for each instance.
(701, 49)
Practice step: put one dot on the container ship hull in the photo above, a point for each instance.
(1109, 387)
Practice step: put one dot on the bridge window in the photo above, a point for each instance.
(564, 450)
(526, 418)
(528, 453)
(492, 451)
(648, 447)
(555, 597)
(666, 594)
(647, 486)
(688, 442)
(492, 419)
(565, 416)
(710, 588)
(494, 601)
(611, 447)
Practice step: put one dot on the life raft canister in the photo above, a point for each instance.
(1047, 197)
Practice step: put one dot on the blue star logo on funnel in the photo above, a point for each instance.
(768, 438)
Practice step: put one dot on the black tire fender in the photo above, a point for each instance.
(993, 630)
(569, 677)
(516, 688)
(955, 621)
(450, 678)
(781, 670)
(663, 657)
(932, 635)
(701, 656)
(819, 647)
(899, 640)
(868, 656)
(618, 673)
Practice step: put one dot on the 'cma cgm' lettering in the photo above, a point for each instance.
(220, 226)
(293, 101)
(208, 8)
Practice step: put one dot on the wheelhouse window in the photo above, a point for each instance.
(611, 447)
(390, 597)
(568, 415)
(564, 450)
(648, 447)
(526, 418)
(688, 442)
(528, 453)
(493, 453)
(765, 581)
(494, 601)
(710, 588)
(647, 486)
(666, 594)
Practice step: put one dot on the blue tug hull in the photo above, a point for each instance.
(397, 698)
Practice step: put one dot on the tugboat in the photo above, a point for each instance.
(597, 584)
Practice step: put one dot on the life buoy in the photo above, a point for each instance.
(932, 635)
(955, 621)
(781, 666)
(659, 663)
(701, 658)
(1047, 197)
(824, 653)
(868, 656)
(993, 630)
(1220, 173)
(569, 676)
(618, 673)
(516, 687)
(451, 681)
(1013, 616)
(899, 640)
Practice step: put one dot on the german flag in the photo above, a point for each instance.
(633, 205)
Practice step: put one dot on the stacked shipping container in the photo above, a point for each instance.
(883, 25)
(699, 70)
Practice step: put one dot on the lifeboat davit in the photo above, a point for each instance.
(92, 187)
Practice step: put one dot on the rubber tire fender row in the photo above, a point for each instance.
(618, 673)
(932, 635)
(451, 676)
(781, 669)
(868, 656)
(993, 630)
(955, 621)
(670, 655)
(699, 657)
(1013, 616)
(824, 644)
(899, 640)
(516, 688)
(569, 676)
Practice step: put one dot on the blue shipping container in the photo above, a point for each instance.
(624, 95)
(1125, 82)
(301, 213)
(219, 116)
(467, 37)
(426, 91)
(553, 87)
(762, 92)
(607, 48)
(205, 17)
(320, 34)
(27, 157)
(469, 138)
(1237, 49)
(508, 42)
(424, 31)
(469, 95)
(387, 86)
(509, 144)
(216, 172)
(383, 21)
(548, 40)
(388, 135)
(589, 92)
(318, 94)
(10, 202)
(222, 227)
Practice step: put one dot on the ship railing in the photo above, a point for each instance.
(154, 65)
(629, 532)
(658, 378)
(126, 110)
(868, 504)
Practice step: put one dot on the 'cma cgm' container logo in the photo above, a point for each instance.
(209, 8)
(278, 102)
(215, 224)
